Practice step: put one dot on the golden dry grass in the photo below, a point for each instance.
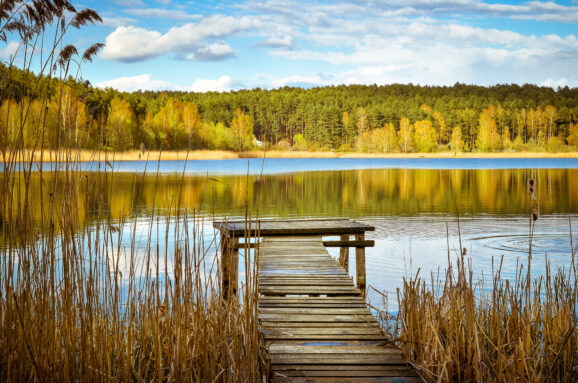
(520, 330)
(84, 155)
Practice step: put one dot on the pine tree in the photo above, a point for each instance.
(573, 135)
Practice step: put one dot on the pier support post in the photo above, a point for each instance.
(360, 264)
(344, 254)
(229, 266)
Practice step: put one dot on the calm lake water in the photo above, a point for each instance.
(413, 203)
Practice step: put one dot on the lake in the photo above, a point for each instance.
(413, 203)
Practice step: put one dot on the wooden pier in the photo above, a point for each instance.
(315, 321)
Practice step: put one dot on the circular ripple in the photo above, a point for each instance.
(550, 243)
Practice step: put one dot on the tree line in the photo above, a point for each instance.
(391, 118)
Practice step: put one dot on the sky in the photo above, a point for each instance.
(220, 46)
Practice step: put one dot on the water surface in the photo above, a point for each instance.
(414, 204)
(289, 165)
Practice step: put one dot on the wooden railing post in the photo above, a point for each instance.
(344, 254)
(229, 266)
(234, 271)
(360, 263)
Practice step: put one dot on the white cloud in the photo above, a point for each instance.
(134, 83)
(117, 21)
(146, 82)
(133, 44)
(214, 52)
(165, 14)
(570, 17)
(222, 84)
(278, 42)
(552, 83)
(532, 10)
(9, 50)
(136, 44)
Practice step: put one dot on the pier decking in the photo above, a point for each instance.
(315, 322)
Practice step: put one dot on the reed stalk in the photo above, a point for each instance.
(106, 299)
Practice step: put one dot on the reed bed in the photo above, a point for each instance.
(100, 299)
(457, 329)
(116, 300)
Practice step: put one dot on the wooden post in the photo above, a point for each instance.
(234, 270)
(360, 263)
(229, 266)
(344, 254)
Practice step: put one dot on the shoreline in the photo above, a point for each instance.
(134, 155)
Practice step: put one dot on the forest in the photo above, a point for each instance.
(364, 118)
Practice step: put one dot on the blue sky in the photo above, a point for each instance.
(212, 45)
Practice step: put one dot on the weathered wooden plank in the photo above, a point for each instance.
(296, 258)
(331, 343)
(328, 277)
(304, 358)
(288, 335)
(271, 266)
(307, 263)
(356, 330)
(300, 272)
(311, 305)
(317, 318)
(311, 299)
(346, 244)
(286, 290)
(291, 250)
(341, 243)
(306, 303)
(342, 368)
(353, 372)
(347, 284)
(276, 348)
(314, 288)
(281, 379)
(309, 227)
(321, 278)
(314, 311)
(298, 265)
(266, 324)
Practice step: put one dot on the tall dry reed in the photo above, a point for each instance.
(105, 299)
(454, 329)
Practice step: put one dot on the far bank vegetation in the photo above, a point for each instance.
(356, 118)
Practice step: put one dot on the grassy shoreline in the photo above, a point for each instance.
(135, 155)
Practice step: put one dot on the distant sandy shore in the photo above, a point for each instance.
(134, 155)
